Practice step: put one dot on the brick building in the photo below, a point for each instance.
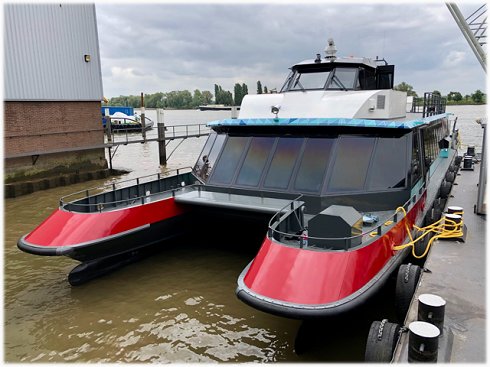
(52, 91)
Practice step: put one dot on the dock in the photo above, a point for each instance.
(456, 271)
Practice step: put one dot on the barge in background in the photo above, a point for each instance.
(332, 171)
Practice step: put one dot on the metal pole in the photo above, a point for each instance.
(110, 157)
(482, 182)
(143, 130)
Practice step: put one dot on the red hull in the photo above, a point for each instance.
(64, 231)
(294, 278)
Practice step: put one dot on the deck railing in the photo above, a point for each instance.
(140, 190)
(291, 227)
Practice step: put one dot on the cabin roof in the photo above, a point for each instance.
(340, 60)
(390, 124)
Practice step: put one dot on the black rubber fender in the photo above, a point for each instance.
(450, 176)
(445, 189)
(381, 341)
(406, 283)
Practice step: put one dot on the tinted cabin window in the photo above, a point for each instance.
(283, 162)
(213, 154)
(254, 162)
(202, 165)
(228, 161)
(389, 168)
(416, 168)
(367, 78)
(351, 163)
(313, 165)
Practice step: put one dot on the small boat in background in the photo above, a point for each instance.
(217, 107)
(123, 118)
(122, 122)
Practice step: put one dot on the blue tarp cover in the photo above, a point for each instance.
(391, 124)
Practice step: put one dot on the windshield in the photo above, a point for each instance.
(343, 78)
(313, 79)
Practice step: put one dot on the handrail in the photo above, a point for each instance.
(280, 211)
(377, 229)
(64, 202)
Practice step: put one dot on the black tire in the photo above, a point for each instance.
(445, 189)
(433, 215)
(450, 176)
(406, 283)
(381, 341)
(457, 160)
(419, 249)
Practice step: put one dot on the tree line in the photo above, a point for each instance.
(478, 97)
(184, 99)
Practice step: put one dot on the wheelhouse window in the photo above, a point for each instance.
(416, 167)
(344, 78)
(388, 169)
(201, 167)
(227, 164)
(310, 79)
(313, 165)
(255, 161)
(351, 163)
(283, 162)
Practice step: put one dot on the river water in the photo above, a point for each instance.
(175, 306)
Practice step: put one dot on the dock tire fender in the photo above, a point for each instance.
(457, 160)
(445, 189)
(419, 249)
(450, 175)
(406, 283)
(433, 215)
(381, 341)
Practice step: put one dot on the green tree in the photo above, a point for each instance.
(436, 93)
(259, 87)
(404, 87)
(454, 96)
(265, 89)
(197, 99)
(238, 94)
(244, 90)
(207, 97)
(477, 97)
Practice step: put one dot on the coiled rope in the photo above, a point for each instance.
(443, 228)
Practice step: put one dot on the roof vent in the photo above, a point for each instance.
(330, 50)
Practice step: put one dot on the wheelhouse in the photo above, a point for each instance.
(348, 74)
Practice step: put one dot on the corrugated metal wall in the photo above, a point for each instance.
(44, 48)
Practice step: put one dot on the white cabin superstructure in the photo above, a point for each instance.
(332, 87)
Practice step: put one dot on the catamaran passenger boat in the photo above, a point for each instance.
(332, 171)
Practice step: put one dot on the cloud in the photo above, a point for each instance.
(164, 47)
(454, 59)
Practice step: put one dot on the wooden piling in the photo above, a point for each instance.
(143, 130)
(162, 149)
(108, 126)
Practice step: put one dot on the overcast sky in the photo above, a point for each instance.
(152, 47)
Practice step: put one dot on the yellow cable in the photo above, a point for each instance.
(439, 228)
